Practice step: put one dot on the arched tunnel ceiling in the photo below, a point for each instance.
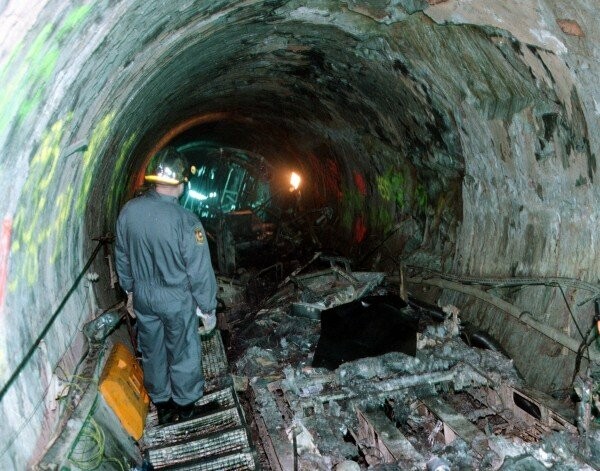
(285, 84)
(473, 127)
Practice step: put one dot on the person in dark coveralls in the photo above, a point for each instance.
(164, 266)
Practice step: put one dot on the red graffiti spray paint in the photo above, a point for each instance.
(360, 229)
(5, 235)
(360, 183)
(333, 180)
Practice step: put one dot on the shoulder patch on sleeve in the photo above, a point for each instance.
(199, 235)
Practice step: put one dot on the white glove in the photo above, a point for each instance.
(129, 305)
(209, 320)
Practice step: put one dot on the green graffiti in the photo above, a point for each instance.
(381, 218)
(28, 70)
(402, 194)
(352, 204)
(25, 88)
(73, 19)
(392, 189)
(391, 186)
(421, 197)
(354, 201)
(39, 44)
(13, 95)
(347, 219)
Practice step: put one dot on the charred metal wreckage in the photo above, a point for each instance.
(336, 370)
(343, 374)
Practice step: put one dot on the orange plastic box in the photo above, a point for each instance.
(122, 386)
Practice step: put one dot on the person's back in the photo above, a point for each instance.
(154, 225)
(164, 263)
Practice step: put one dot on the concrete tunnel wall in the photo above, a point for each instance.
(471, 128)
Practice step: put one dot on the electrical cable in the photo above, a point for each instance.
(37, 405)
(571, 312)
(88, 451)
(89, 446)
(45, 330)
(40, 338)
(585, 344)
(43, 397)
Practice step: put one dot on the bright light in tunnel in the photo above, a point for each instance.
(294, 181)
(197, 195)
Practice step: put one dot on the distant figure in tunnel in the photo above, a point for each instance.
(164, 266)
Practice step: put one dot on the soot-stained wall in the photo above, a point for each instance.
(468, 130)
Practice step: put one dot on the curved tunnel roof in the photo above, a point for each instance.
(470, 129)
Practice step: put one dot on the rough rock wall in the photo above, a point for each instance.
(530, 188)
(471, 125)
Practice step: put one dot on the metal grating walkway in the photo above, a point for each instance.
(218, 440)
(214, 360)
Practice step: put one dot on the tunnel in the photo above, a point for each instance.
(453, 145)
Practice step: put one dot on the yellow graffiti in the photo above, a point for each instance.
(63, 205)
(117, 177)
(97, 140)
(29, 233)
(46, 207)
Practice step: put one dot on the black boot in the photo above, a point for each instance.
(191, 411)
(186, 412)
(166, 412)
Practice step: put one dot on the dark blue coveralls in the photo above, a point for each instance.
(162, 256)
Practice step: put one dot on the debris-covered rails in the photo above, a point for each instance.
(441, 403)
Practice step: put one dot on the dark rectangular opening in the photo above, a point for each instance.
(527, 406)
